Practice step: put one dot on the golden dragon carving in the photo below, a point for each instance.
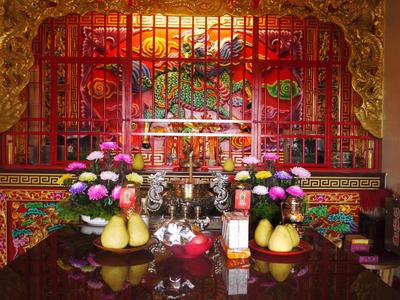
(360, 20)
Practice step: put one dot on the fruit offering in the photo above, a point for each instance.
(281, 239)
(117, 235)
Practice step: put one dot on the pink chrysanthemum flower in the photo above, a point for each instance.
(97, 192)
(300, 172)
(95, 155)
(108, 146)
(271, 156)
(295, 191)
(276, 192)
(76, 165)
(250, 160)
(123, 157)
(116, 192)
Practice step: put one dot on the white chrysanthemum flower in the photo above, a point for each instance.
(260, 190)
(95, 155)
(109, 175)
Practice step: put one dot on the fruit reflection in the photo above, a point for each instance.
(136, 273)
(179, 276)
(280, 271)
(118, 270)
(261, 266)
(114, 276)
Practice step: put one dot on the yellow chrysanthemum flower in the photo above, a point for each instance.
(87, 176)
(61, 180)
(135, 177)
(242, 176)
(263, 174)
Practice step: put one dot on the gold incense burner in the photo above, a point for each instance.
(181, 193)
(208, 197)
(187, 193)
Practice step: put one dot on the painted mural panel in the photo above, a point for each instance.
(187, 73)
(28, 224)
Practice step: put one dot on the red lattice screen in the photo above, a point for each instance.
(224, 86)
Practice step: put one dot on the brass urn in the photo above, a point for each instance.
(292, 212)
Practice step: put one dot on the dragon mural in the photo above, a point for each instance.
(196, 74)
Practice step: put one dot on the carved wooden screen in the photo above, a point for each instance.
(225, 86)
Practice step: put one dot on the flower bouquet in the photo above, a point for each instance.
(95, 186)
(270, 188)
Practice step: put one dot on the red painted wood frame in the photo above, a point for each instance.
(64, 123)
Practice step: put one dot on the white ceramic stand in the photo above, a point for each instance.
(95, 221)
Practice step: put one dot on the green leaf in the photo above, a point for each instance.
(284, 88)
(266, 210)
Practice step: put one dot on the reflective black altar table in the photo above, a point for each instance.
(67, 266)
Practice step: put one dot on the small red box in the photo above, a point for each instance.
(242, 199)
(127, 198)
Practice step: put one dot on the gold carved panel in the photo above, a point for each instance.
(361, 21)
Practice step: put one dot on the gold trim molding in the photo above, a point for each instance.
(40, 181)
(360, 20)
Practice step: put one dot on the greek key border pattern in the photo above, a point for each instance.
(35, 180)
(342, 183)
(31, 180)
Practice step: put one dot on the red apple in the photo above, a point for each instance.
(199, 239)
(198, 245)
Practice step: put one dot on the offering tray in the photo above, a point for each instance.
(128, 249)
(302, 249)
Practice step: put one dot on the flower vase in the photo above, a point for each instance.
(94, 221)
(292, 211)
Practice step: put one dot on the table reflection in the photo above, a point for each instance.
(67, 266)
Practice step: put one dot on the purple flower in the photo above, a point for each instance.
(260, 190)
(77, 263)
(91, 261)
(300, 172)
(77, 188)
(282, 175)
(108, 146)
(123, 157)
(250, 160)
(295, 191)
(95, 155)
(76, 274)
(116, 192)
(271, 156)
(97, 192)
(76, 165)
(276, 192)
